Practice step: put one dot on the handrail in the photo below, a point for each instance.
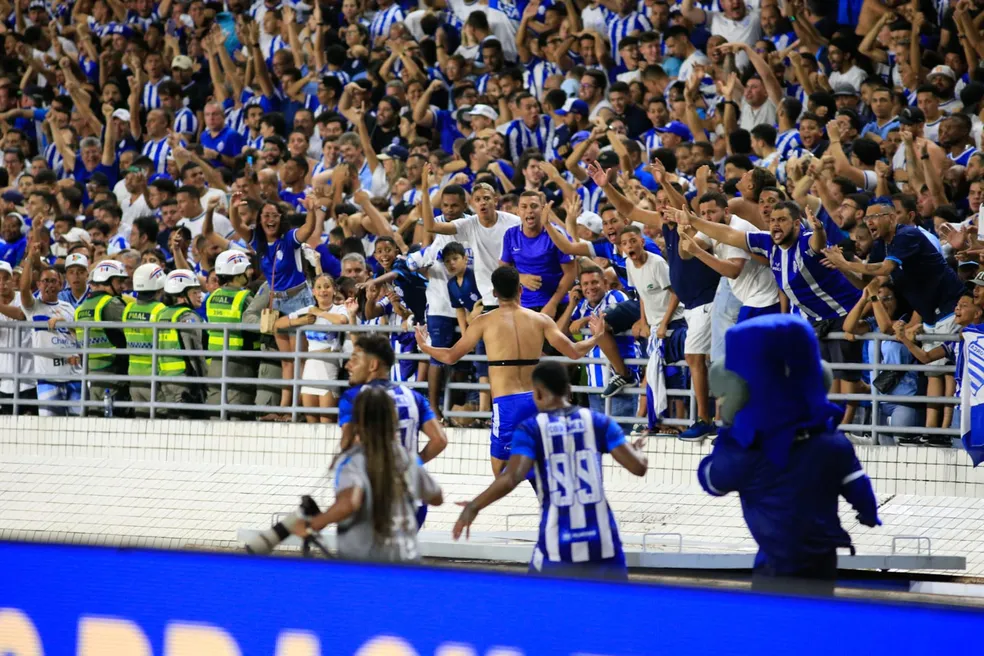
(298, 356)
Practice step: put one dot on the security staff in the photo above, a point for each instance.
(182, 298)
(269, 369)
(106, 281)
(148, 283)
(227, 305)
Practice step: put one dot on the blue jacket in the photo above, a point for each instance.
(791, 510)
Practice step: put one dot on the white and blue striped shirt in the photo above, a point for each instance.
(787, 143)
(413, 196)
(55, 160)
(651, 140)
(598, 373)
(622, 26)
(482, 83)
(152, 99)
(590, 194)
(133, 18)
(380, 26)
(963, 158)
(535, 76)
(186, 121)
(519, 137)
(275, 44)
(158, 151)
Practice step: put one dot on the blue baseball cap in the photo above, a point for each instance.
(679, 129)
(575, 105)
(579, 137)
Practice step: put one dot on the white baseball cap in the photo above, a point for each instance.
(76, 235)
(484, 110)
(77, 259)
(591, 221)
(122, 114)
(5, 266)
(943, 70)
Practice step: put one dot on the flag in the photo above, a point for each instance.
(970, 374)
(656, 401)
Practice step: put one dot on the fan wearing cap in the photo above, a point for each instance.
(148, 283)
(56, 370)
(482, 117)
(945, 80)
(76, 278)
(107, 281)
(913, 123)
(182, 296)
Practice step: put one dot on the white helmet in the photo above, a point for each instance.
(77, 259)
(148, 278)
(107, 270)
(180, 280)
(231, 263)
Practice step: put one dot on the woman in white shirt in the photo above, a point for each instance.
(323, 313)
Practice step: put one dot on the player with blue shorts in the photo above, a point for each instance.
(562, 445)
(514, 339)
(370, 364)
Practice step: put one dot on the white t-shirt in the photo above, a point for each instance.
(8, 340)
(220, 224)
(322, 341)
(755, 286)
(687, 67)
(60, 338)
(853, 76)
(499, 24)
(438, 298)
(747, 30)
(486, 245)
(652, 282)
(750, 117)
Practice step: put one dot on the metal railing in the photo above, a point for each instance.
(224, 382)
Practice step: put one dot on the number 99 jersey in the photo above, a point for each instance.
(576, 524)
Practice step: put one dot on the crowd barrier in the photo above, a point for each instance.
(223, 410)
(91, 601)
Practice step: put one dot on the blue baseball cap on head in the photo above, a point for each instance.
(579, 137)
(575, 105)
(679, 129)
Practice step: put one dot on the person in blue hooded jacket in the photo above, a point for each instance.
(781, 451)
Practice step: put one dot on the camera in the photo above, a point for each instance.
(266, 541)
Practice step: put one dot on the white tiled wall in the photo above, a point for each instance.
(175, 483)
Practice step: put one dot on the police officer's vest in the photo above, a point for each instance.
(227, 306)
(141, 338)
(91, 310)
(170, 340)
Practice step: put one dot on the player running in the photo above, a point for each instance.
(514, 339)
(563, 445)
(370, 365)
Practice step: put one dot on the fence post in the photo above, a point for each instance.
(153, 371)
(875, 361)
(85, 367)
(15, 411)
(295, 388)
(225, 362)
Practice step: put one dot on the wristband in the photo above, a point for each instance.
(872, 299)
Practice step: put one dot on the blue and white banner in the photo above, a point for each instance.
(972, 392)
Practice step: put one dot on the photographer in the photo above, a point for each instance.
(378, 485)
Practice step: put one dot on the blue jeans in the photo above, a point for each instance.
(724, 315)
(896, 414)
(623, 405)
(302, 299)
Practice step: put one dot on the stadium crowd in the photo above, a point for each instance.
(674, 166)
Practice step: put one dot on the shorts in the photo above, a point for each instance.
(319, 370)
(508, 412)
(63, 391)
(622, 316)
(841, 351)
(724, 315)
(442, 333)
(698, 330)
(747, 312)
(612, 569)
(944, 326)
(298, 301)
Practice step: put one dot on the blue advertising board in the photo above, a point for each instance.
(57, 599)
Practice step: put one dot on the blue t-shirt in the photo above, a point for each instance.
(537, 256)
(576, 521)
(412, 288)
(413, 410)
(835, 234)
(926, 282)
(819, 293)
(464, 294)
(445, 125)
(227, 142)
(295, 200)
(329, 263)
(13, 252)
(285, 255)
(606, 249)
(82, 176)
(694, 282)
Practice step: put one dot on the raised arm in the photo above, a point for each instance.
(716, 231)
(693, 14)
(621, 203)
(461, 348)
(422, 114)
(842, 165)
(761, 67)
(236, 205)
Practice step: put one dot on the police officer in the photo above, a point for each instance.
(269, 369)
(106, 282)
(148, 283)
(182, 297)
(226, 305)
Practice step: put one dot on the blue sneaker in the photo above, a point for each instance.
(698, 431)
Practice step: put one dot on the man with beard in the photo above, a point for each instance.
(945, 81)
(841, 57)
(825, 296)
(956, 139)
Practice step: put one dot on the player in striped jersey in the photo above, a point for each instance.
(563, 446)
(531, 130)
(370, 364)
